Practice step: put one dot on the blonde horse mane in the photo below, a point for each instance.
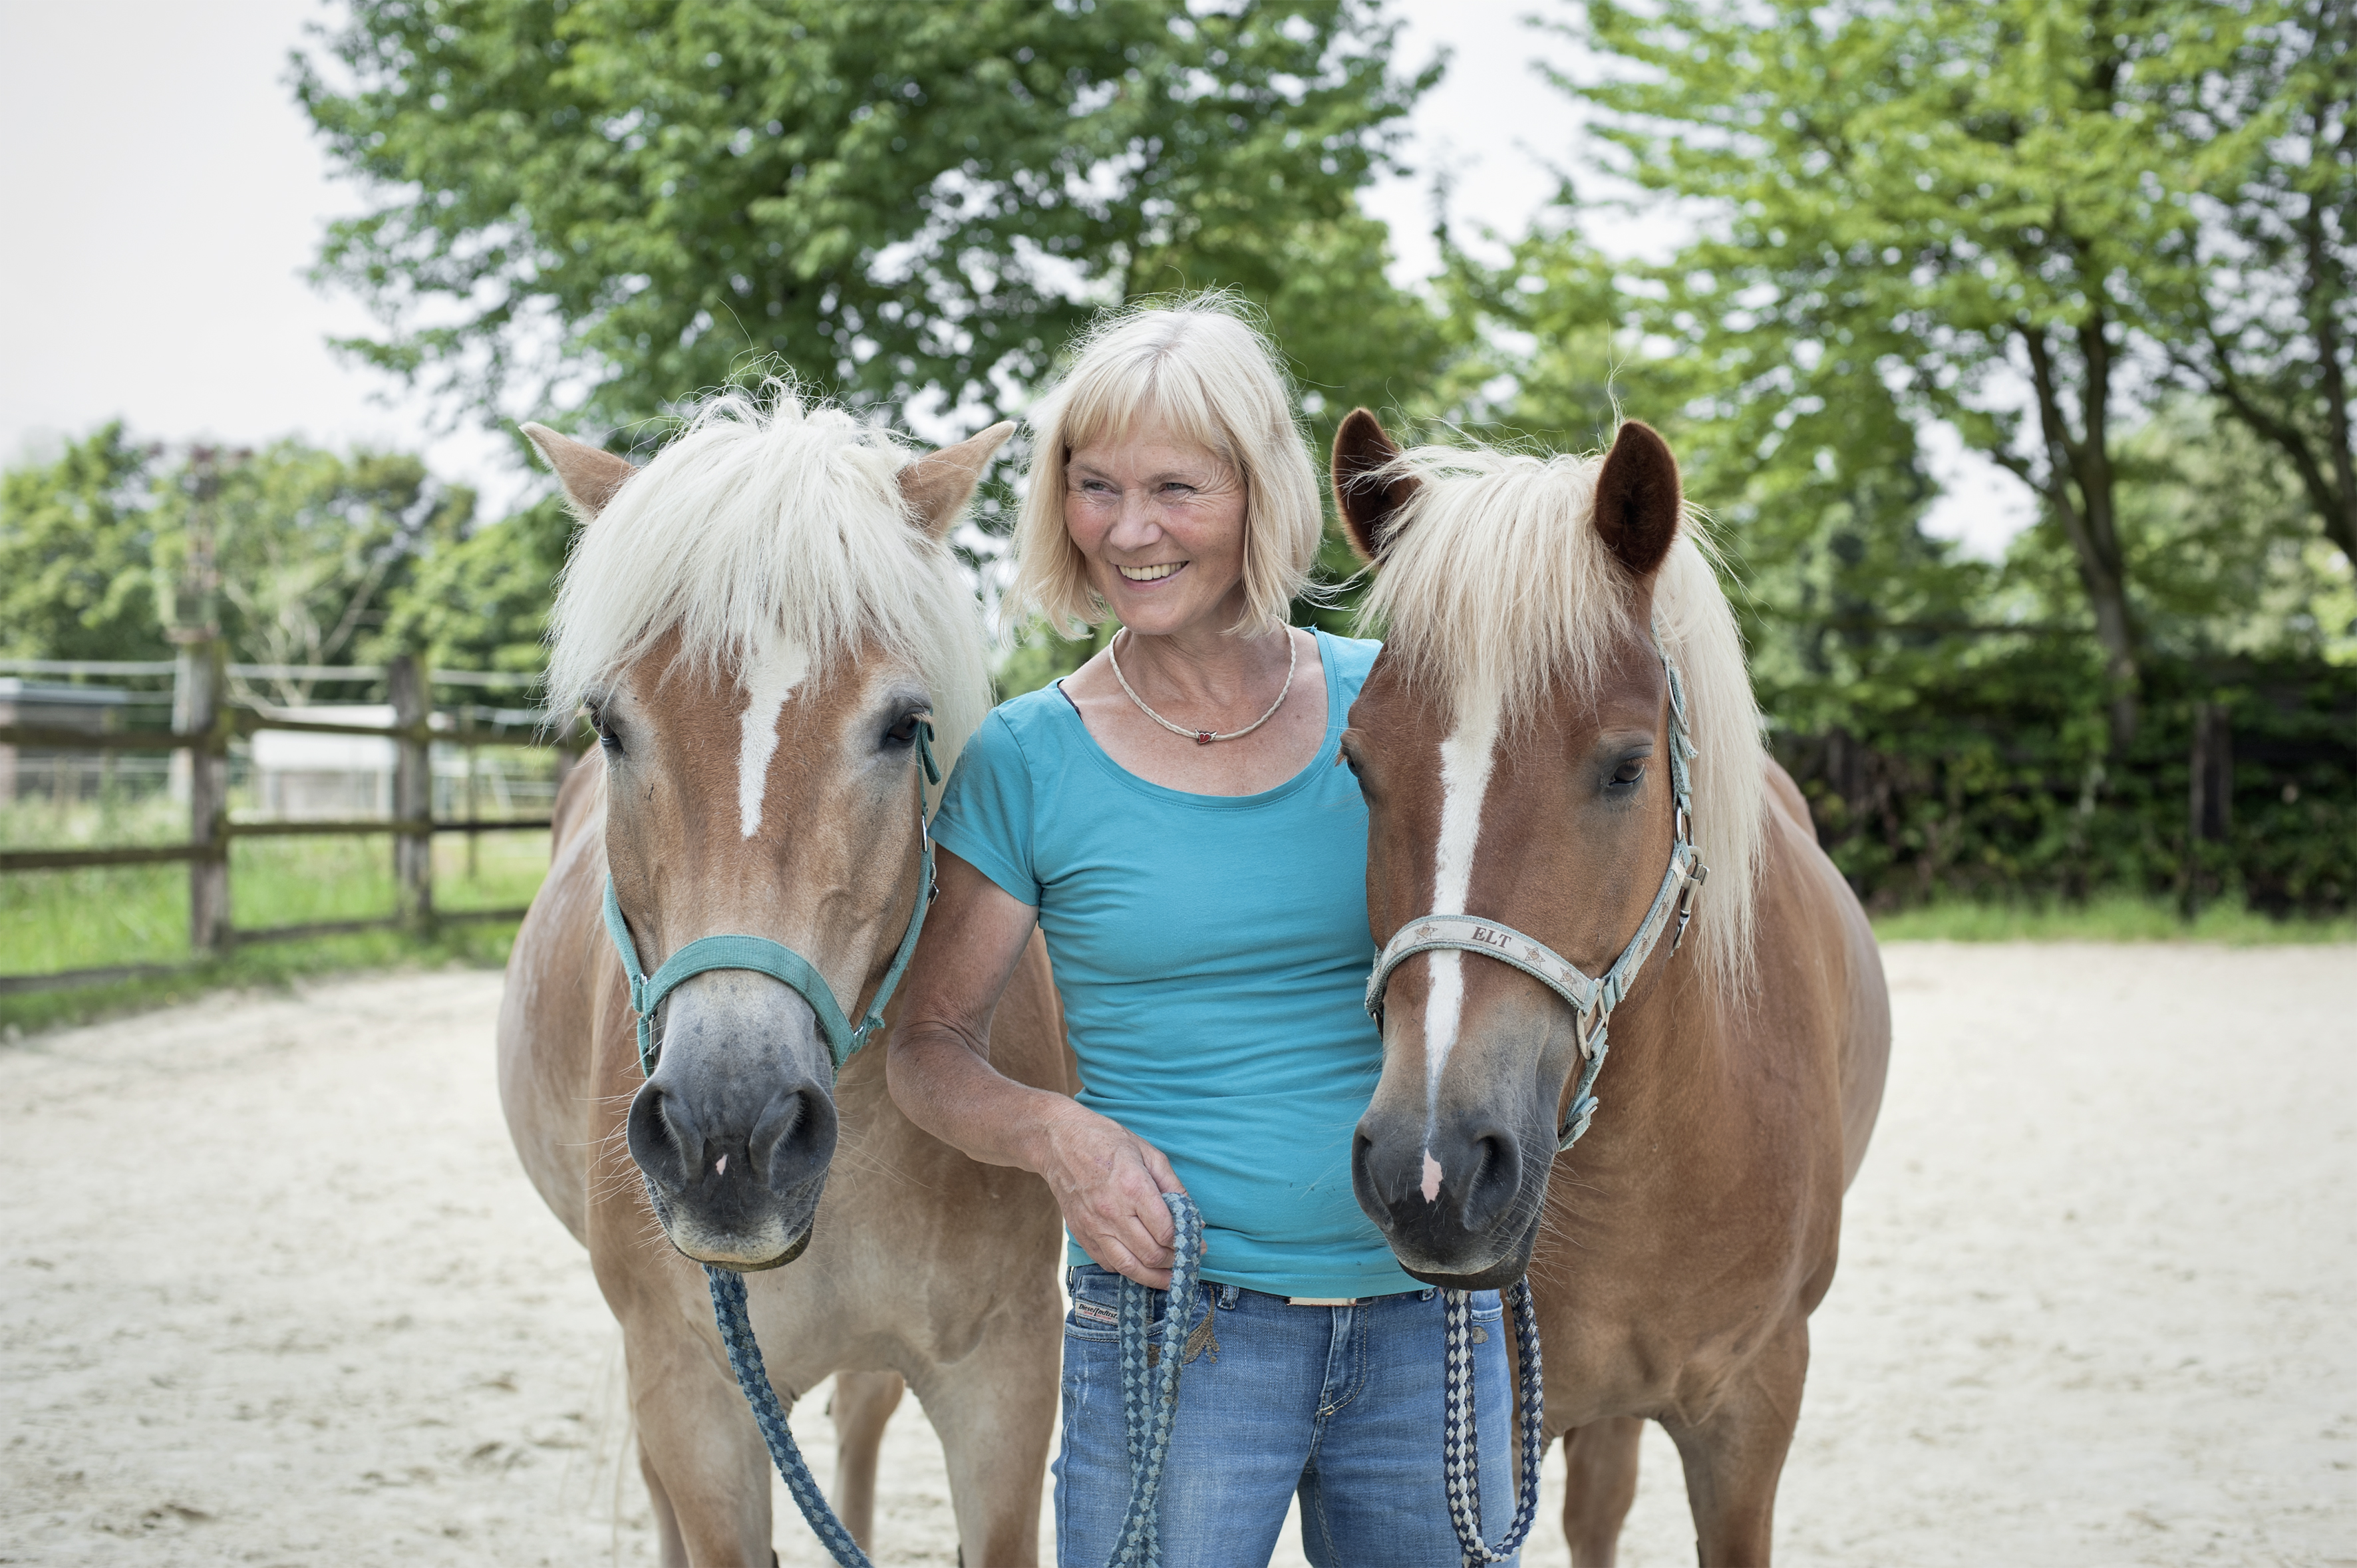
(1495, 585)
(771, 519)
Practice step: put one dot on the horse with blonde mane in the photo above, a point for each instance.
(1560, 725)
(767, 629)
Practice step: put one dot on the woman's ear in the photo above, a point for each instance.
(1638, 502)
(590, 474)
(1369, 504)
(938, 485)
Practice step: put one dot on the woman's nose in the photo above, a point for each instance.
(1139, 524)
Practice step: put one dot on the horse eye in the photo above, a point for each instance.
(1628, 773)
(609, 737)
(905, 732)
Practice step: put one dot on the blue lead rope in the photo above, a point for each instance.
(1149, 1398)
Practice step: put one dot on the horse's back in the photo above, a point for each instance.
(547, 1013)
(1859, 1001)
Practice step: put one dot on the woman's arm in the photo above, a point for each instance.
(1108, 1181)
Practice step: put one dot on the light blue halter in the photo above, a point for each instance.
(775, 960)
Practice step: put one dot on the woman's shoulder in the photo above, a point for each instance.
(1348, 659)
(1029, 726)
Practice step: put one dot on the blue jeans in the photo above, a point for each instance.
(1341, 1404)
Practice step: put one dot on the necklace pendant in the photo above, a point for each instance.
(1204, 737)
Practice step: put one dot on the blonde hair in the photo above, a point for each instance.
(1203, 372)
(1495, 584)
(771, 517)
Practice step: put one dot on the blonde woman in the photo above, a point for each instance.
(1172, 817)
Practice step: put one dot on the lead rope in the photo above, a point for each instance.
(1150, 1397)
(1460, 1440)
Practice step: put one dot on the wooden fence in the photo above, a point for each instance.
(204, 723)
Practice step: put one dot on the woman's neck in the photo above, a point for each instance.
(1203, 666)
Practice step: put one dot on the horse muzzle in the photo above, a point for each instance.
(1458, 1200)
(735, 1132)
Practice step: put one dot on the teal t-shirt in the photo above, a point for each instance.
(1212, 953)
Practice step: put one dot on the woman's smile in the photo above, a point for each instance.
(1154, 573)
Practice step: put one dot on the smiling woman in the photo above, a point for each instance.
(1172, 817)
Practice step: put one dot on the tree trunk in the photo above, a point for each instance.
(2079, 483)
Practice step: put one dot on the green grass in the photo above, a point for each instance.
(104, 916)
(2109, 918)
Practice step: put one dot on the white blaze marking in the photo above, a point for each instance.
(1431, 1176)
(769, 682)
(1465, 760)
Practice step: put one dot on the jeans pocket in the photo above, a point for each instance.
(1095, 1312)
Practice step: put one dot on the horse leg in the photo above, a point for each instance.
(1599, 1483)
(993, 1411)
(674, 1549)
(863, 1402)
(705, 1463)
(1735, 1454)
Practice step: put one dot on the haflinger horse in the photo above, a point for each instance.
(768, 630)
(1558, 740)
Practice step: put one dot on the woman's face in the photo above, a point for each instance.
(1161, 522)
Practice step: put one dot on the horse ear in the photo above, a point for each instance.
(1638, 503)
(590, 474)
(938, 486)
(1368, 505)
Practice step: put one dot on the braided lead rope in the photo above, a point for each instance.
(1149, 1395)
(1149, 1398)
(1461, 1444)
(745, 1360)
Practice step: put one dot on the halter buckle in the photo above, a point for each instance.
(1694, 879)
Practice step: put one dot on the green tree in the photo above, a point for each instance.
(482, 602)
(620, 202)
(77, 542)
(308, 549)
(1972, 206)
(2269, 327)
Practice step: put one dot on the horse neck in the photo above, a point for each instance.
(1670, 1091)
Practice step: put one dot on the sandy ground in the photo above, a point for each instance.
(272, 1290)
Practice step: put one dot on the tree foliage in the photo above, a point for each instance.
(77, 549)
(1971, 205)
(622, 202)
(296, 554)
(2269, 328)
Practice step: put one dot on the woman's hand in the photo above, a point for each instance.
(1109, 1182)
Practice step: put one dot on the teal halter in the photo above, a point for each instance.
(775, 960)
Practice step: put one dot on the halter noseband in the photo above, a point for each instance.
(1591, 1001)
(775, 960)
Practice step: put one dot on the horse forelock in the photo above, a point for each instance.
(1495, 592)
(767, 531)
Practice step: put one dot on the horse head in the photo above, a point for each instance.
(764, 627)
(1513, 742)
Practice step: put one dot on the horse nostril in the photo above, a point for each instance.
(663, 1136)
(793, 1136)
(1497, 1175)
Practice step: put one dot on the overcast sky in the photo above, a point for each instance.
(165, 198)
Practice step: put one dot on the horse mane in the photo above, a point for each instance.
(1495, 585)
(765, 521)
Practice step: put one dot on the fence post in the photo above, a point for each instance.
(198, 706)
(413, 793)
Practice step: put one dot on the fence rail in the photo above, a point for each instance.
(205, 725)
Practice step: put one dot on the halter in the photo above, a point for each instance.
(1591, 1001)
(775, 960)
